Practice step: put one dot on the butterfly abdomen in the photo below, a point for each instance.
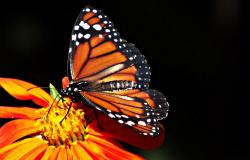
(115, 85)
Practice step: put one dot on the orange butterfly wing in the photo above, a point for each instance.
(98, 54)
(136, 108)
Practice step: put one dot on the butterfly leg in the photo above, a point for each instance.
(70, 105)
(61, 98)
(52, 104)
(50, 107)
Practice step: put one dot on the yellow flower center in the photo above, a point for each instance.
(58, 127)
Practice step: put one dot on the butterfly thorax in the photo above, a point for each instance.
(73, 91)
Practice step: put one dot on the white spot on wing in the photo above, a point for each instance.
(100, 36)
(87, 9)
(97, 27)
(117, 115)
(120, 121)
(124, 116)
(86, 36)
(80, 35)
(76, 27)
(84, 25)
(130, 123)
(111, 115)
(73, 37)
(142, 123)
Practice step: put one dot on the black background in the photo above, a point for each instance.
(196, 49)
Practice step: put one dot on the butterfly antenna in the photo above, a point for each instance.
(70, 105)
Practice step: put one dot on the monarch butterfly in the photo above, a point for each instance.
(111, 75)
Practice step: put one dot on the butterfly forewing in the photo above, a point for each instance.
(97, 52)
(117, 73)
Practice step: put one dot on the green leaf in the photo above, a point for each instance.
(53, 92)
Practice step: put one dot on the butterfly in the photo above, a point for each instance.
(111, 75)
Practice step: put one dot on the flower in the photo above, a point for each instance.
(52, 131)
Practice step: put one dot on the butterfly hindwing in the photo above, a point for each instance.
(139, 109)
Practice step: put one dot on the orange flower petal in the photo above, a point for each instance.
(80, 153)
(92, 148)
(8, 148)
(69, 154)
(126, 134)
(18, 112)
(54, 154)
(48, 152)
(21, 149)
(108, 150)
(16, 129)
(19, 89)
(62, 153)
(35, 153)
